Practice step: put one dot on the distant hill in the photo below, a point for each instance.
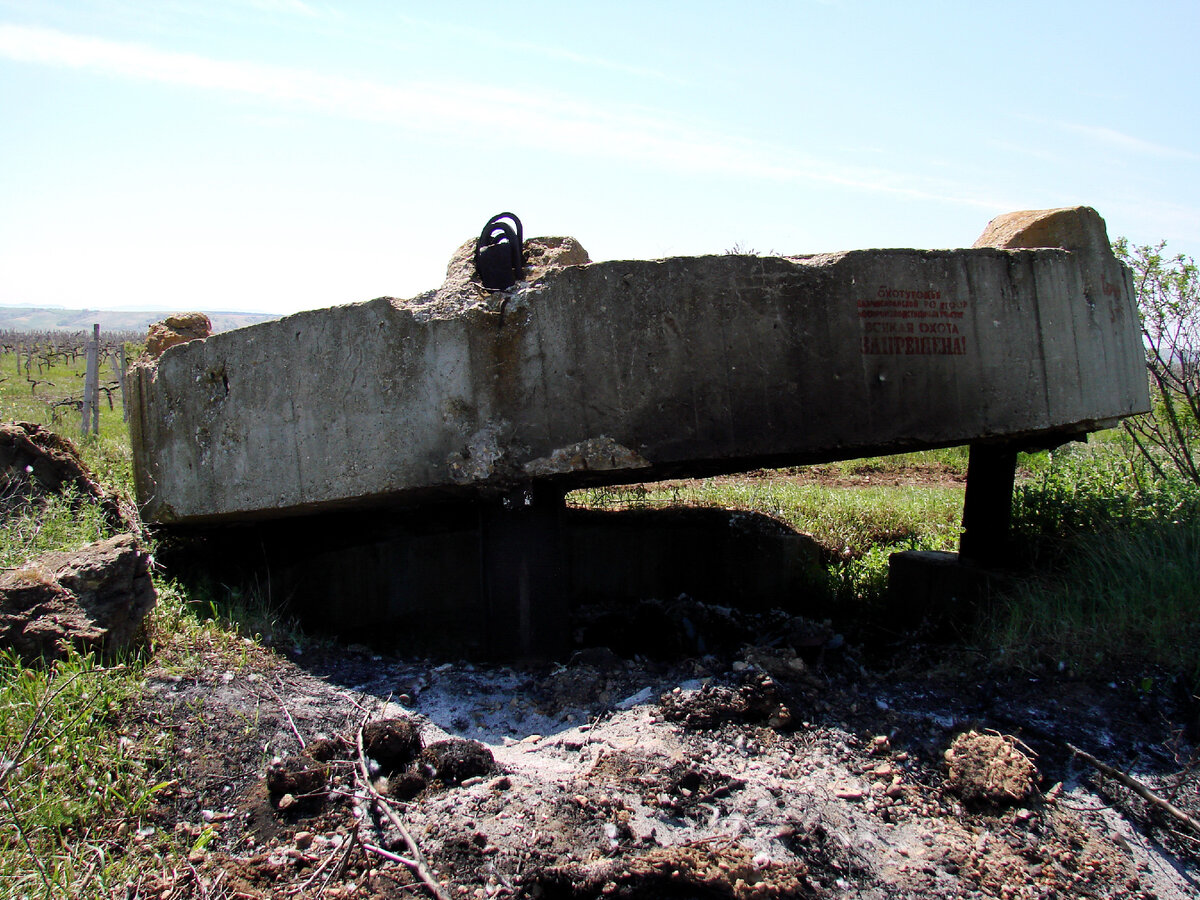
(30, 318)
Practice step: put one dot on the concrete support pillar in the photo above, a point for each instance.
(987, 509)
(524, 574)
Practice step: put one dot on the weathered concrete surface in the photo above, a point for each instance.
(637, 370)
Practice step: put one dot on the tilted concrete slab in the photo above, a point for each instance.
(637, 370)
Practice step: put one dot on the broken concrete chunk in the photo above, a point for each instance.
(1078, 228)
(461, 289)
(545, 253)
(177, 329)
(92, 599)
(601, 454)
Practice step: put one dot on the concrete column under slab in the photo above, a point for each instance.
(946, 590)
(987, 507)
(524, 573)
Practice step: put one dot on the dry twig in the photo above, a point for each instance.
(283, 706)
(418, 862)
(1138, 788)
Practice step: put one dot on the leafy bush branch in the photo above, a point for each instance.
(1168, 295)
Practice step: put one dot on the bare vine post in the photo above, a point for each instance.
(120, 363)
(91, 385)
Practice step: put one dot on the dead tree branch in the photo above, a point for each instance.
(1138, 788)
(417, 863)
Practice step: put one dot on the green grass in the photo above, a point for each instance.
(1123, 598)
(1117, 576)
(107, 454)
(68, 785)
(857, 527)
(33, 527)
(22, 402)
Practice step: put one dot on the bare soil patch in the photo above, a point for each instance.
(760, 773)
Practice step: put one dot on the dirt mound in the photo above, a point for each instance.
(393, 743)
(989, 767)
(36, 462)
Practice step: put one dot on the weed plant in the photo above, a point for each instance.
(67, 785)
(1117, 576)
(30, 526)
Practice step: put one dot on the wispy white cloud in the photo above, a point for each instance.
(289, 7)
(1127, 142)
(473, 111)
(460, 32)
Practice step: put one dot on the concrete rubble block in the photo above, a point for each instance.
(94, 599)
(638, 370)
(1077, 228)
(177, 329)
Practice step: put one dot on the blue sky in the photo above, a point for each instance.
(278, 155)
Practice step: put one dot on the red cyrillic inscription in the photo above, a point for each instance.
(906, 322)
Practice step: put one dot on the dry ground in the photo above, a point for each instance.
(763, 774)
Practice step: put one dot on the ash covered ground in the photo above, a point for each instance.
(762, 772)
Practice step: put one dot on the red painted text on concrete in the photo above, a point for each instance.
(910, 322)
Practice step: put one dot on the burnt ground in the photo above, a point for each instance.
(768, 771)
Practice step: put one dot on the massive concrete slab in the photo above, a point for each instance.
(637, 370)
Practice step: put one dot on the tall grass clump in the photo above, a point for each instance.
(1123, 598)
(1116, 580)
(67, 784)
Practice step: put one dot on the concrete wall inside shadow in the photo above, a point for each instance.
(415, 581)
